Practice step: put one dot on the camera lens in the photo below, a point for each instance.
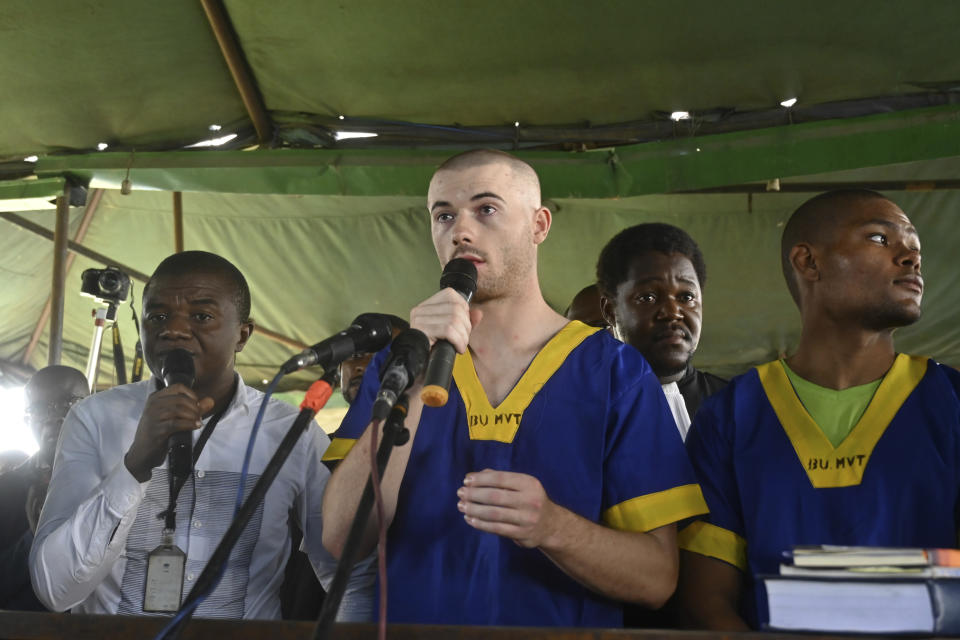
(109, 282)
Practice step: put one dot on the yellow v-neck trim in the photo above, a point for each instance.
(501, 423)
(843, 465)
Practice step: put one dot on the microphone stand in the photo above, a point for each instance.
(211, 572)
(394, 434)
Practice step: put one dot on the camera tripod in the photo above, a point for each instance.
(102, 316)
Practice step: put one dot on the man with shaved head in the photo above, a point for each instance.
(546, 490)
(845, 442)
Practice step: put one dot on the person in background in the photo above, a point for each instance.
(301, 595)
(11, 459)
(49, 395)
(651, 278)
(351, 369)
(585, 307)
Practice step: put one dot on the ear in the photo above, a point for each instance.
(246, 330)
(608, 311)
(803, 258)
(542, 219)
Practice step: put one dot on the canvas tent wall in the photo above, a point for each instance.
(326, 228)
(315, 262)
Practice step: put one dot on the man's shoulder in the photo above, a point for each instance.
(705, 382)
(612, 368)
(123, 394)
(741, 388)
(939, 371)
(599, 343)
(710, 380)
(938, 367)
(18, 479)
(254, 397)
(277, 410)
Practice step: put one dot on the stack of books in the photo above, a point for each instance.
(866, 590)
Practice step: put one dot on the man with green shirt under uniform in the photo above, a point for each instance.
(844, 442)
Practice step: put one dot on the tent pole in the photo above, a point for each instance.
(239, 69)
(93, 201)
(20, 221)
(58, 286)
(177, 222)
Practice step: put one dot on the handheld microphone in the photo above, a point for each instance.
(408, 353)
(368, 332)
(177, 368)
(460, 275)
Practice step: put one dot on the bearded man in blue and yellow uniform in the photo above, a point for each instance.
(547, 490)
(844, 442)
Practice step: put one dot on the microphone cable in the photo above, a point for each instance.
(253, 438)
(381, 531)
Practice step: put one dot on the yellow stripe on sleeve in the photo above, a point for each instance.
(713, 541)
(338, 449)
(646, 513)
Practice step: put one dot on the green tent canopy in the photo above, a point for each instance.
(327, 226)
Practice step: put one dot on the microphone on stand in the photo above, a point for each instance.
(408, 353)
(460, 275)
(367, 333)
(178, 368)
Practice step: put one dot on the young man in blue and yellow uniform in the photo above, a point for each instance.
(547, 489)
(846, 441)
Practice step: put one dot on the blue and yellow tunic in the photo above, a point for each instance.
(589, 420)
(773, 480)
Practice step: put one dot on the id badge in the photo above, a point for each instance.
(164, 584)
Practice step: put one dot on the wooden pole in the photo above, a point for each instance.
(93, 201)
(177, 222)
(58, 287)
(239, 69)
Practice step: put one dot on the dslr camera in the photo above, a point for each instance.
(109, 285)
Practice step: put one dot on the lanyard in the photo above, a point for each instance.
(176, 484)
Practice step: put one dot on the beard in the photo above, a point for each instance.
(516, 262)
(890, 315)
(664, 367)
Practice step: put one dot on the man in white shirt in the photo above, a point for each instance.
(110, 482)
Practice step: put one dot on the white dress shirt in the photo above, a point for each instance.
(98, 523)
(677, 407)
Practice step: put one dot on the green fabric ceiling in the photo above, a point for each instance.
(673, 165)
(151, 75)
(132, 73)
(483, 62)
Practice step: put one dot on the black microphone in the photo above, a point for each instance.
(369, 332)
(460, 275)
(408, 353)
(177, 368)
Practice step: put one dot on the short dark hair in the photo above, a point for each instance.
(205, 262)
(479, 157)
(520, 169)
(813, 221)
(615, 258)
